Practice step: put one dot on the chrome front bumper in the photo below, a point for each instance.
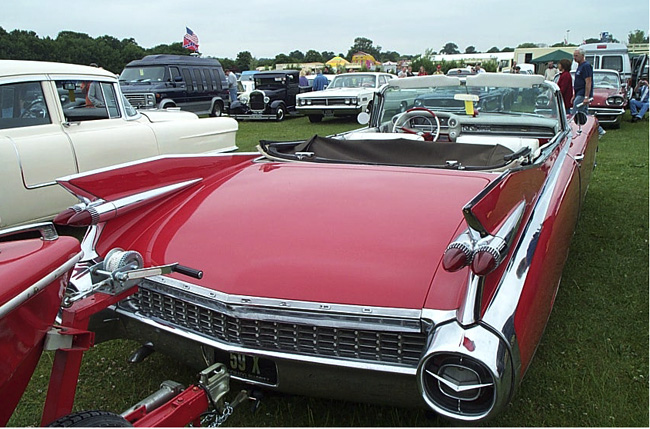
(606, 115)
(350, 367)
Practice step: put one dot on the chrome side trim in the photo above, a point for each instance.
(34, 289)
(105, 210)
(501, 310)
(288, 304)
(46, 229)
(340, 362)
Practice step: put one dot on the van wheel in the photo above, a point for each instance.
(280, 113)
(217, 110)
(315, 118)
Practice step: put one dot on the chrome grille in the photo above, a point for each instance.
(136, 100)
(403, 348)
(328, 101)
(257, 101)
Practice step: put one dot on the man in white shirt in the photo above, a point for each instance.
(550, 72)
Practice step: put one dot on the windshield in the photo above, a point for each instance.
(487, 94)
(143, 74)
(272, 82)
(354, 80)
(606, 80)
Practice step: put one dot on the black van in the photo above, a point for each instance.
(188, 82)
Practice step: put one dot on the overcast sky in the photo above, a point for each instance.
(267, 28)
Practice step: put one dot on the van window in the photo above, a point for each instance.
(188, 80)
(174, 73)
(217, 78)
(143, 74)
(208, 80)
(199, 79)
(612, 62)
(592, 60)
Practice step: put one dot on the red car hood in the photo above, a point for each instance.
(323, 233)
(602, 94)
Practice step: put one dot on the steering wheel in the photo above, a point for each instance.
(35, 109)
(419, 121)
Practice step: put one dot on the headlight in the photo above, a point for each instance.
(614, 100)
(266, 100)
(309, 102)
(348, 101)
(418, 103)
(243, 100)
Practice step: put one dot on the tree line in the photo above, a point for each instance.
(113, 54)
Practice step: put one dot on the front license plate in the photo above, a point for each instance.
(328, 112)
(256, 115)
(249, 368)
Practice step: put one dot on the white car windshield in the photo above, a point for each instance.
(354, 80)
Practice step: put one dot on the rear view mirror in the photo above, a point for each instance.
(69, 86)
(580, 118)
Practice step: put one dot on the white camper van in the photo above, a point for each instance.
(611, 56)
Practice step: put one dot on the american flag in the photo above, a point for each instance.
(190, 40)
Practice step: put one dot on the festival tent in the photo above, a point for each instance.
(554, 56)
(337, 62)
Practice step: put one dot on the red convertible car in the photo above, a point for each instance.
(610, 97)
(412, 262)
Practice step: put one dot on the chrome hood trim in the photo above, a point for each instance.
(260, 303)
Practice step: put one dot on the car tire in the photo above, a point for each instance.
(91, 419)
(315, 118)
(280, 113)
(217, 110)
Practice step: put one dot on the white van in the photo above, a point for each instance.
(611, 56)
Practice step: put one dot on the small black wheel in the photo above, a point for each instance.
(315, 118)
(95, 418)
(280, 113)
(217, 110)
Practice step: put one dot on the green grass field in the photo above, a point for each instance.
(591, 368)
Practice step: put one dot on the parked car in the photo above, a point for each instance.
(347, 95)
(610, 97)
(410, 262)
(59, 119)
(274, 96)
(191, 83)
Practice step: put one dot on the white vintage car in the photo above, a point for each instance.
(348, 95)
(60, 119)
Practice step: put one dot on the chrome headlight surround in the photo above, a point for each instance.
(466, 374)
(614, 100)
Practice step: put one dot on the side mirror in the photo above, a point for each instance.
(178, 79)
(580, 118)
(363, 118)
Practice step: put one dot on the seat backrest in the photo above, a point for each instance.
(512, 143)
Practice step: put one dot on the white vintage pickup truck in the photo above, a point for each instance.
(348, 95)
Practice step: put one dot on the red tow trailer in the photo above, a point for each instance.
(35, 273)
